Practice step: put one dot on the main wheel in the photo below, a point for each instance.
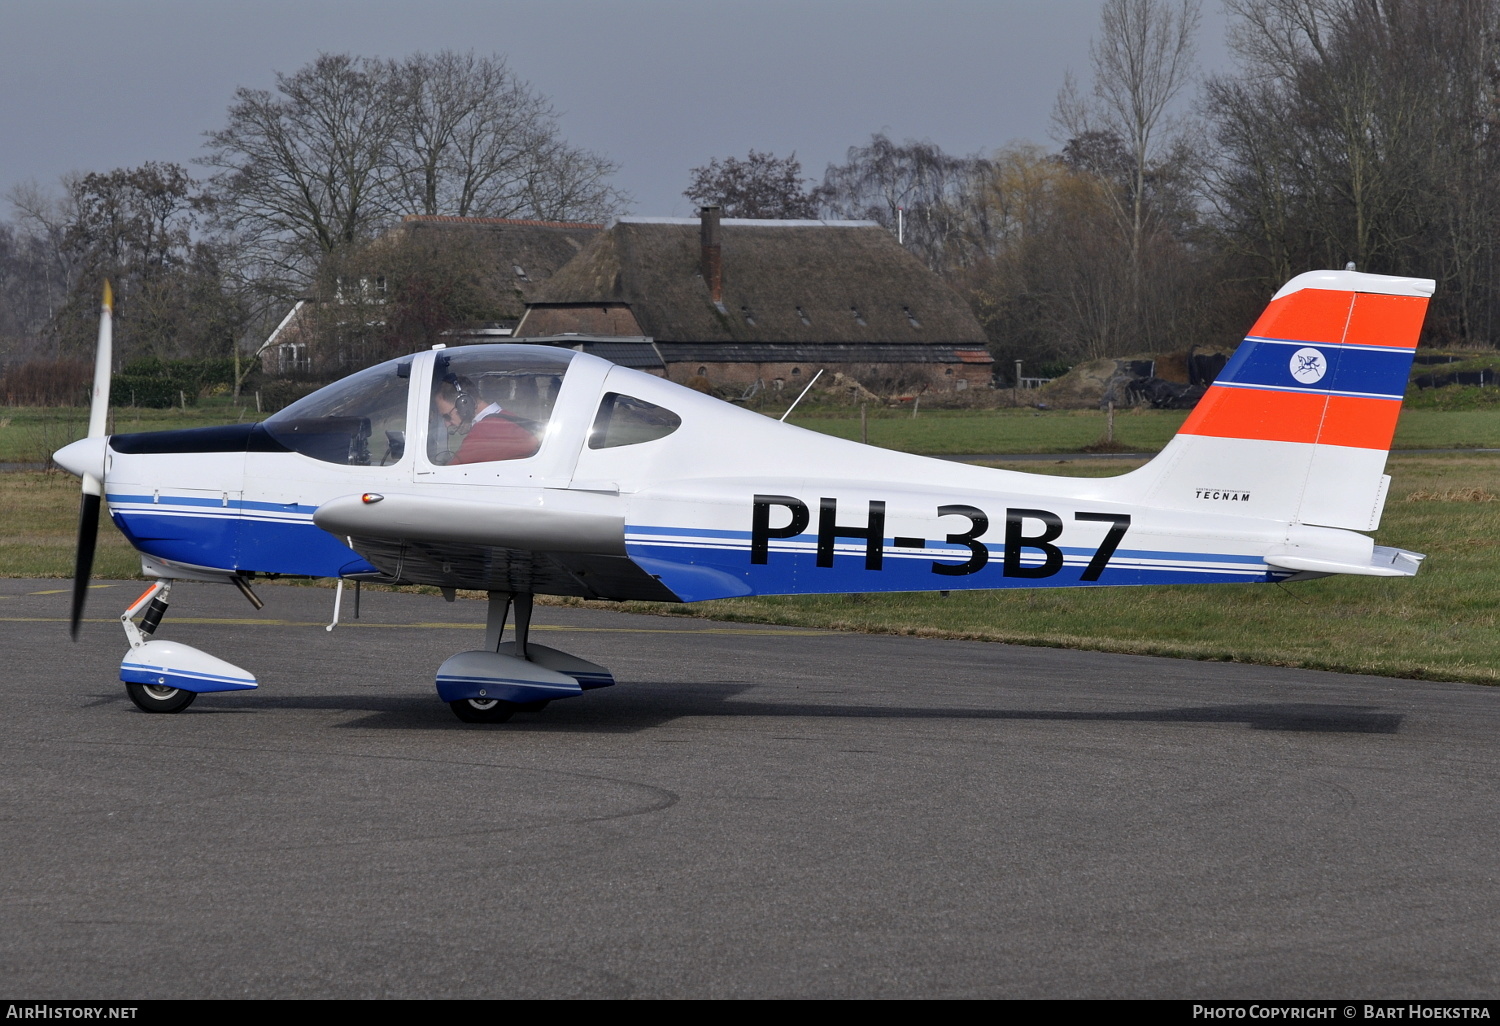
(482, 710)
(158, 698)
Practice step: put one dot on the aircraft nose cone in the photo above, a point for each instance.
(85, 456)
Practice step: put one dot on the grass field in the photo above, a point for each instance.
(1440, 625)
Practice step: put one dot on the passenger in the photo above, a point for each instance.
(489, 433)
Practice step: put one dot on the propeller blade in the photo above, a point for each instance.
(93, 487)
(83, 565)
(103, 361)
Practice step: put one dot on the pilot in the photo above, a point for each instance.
(489, 433)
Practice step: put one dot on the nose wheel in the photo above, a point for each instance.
(158, 698)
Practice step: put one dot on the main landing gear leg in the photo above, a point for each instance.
(523, 635)
(523, 623)
(493, 683)
(495, 616)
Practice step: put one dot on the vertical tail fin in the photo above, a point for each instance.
(1300, 420)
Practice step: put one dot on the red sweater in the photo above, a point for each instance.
(496, 437)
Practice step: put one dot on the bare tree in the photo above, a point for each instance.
(939, 198)
(1058, 285)
(473, 140)
(347, 143)
(761, 185)
(138, 227)
(40, 267)
(1143, 59)
(568, 183)
(301, 169)
(1365, 131)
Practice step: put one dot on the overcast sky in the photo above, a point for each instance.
(659, 86)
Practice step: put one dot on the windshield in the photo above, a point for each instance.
(492, 403)
(359, 420)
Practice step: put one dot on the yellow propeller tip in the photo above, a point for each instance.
(109, 296)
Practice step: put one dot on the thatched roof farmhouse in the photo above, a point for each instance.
(520, 255)
(738, 301)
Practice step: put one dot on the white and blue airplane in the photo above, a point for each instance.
(525, 470)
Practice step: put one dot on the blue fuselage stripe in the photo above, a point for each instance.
(708, 571)
(739, 541)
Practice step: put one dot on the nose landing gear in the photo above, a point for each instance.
(165, 676)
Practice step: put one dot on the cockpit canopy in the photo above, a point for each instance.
(487, 403)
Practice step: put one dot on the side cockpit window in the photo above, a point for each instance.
(359, 421)
(493, 403)
(626, 420)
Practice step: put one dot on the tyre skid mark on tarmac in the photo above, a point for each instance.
(665, 798)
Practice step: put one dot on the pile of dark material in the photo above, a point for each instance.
(1137, 383)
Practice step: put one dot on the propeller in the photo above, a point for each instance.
(93, 486)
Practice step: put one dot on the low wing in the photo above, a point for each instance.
(491, 546)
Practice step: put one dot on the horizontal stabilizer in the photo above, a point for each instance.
(1384, 562)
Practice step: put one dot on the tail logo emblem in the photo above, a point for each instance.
(1308, 366)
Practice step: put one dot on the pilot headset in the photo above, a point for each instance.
(463, 400)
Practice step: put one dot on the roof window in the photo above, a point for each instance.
(911, 318)
(854, 310)
(520, 272)
(801, 313)
(749, 318)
